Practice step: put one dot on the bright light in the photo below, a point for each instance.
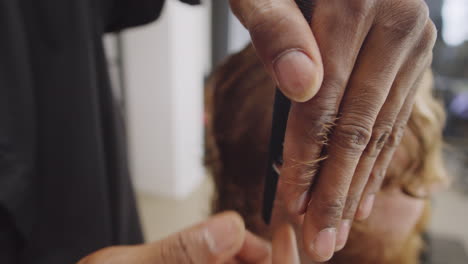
(455, 21)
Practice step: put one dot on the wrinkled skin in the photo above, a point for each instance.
(386, 230)
(351, 73)
(220, 239)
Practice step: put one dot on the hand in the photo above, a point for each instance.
(221, 239)
(351, 74)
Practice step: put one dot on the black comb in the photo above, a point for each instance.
(278, 129)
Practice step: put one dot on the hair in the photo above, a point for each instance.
(238, 105)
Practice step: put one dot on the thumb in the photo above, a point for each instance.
(284, 42)
(216, 240)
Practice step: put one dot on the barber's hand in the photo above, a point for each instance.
(221, 239)
(351, 73)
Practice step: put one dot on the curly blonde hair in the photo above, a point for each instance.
(238, 107)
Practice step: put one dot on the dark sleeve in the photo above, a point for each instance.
(128, 13)
(17, 121)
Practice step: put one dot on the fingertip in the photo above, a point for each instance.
(235, 217)
(321, 245)
(255, 249)
(324, 244)
(365, 207)
(224, 232)
(343, 233)
(297, 75)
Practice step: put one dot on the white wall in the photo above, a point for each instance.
(165, 64)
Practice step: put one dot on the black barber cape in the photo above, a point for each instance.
(64, 183)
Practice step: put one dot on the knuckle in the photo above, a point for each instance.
(264, 17)
(183, 249)
(165, 253)
(353, 137)
(376, 180)
(320, 113)
(380, 135)
(395, 136)
(335, 77)
(331, 210)
(405, 19)
(379, 176)
(320, 127)
(351, 206)
(428, 39)
(177, 250)
(430, 32)
(359, 9)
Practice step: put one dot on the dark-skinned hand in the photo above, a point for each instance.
(351, 74)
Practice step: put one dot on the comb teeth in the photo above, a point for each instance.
(306, 7)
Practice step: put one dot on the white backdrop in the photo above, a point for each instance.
(165, 64)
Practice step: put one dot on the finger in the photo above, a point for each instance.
(310, 123)
(369, 86)
(215, 241)
(402, 88)
(285, 246)
(407, 78)
(383, 161)
(423, 53)
(117, 255)
(380, 164)
(254, 250)
(382, 129)
(284, 43)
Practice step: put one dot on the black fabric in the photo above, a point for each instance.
(10, 240)
(191, 2)
(65, 189)
(126, 13)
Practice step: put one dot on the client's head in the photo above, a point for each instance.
(239, 105)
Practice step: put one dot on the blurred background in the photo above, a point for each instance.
(158, 73)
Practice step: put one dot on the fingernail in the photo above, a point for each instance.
(299, 206)
(343, 233)
(295, 74)
(221, 233)
(365, 207)
(324, 244)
